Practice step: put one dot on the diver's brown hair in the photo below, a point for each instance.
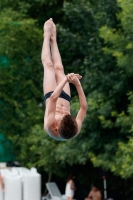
(68, 127)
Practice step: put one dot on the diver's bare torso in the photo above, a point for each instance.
(58, 103)
(62, 109)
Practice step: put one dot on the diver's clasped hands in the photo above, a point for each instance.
(73, 78)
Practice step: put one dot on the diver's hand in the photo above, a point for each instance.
(74, 78)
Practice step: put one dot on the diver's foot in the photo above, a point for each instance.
(53, 34)
(48, 27)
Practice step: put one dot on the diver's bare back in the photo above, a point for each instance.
(62, 109)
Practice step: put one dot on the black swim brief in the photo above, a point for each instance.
(62, 95)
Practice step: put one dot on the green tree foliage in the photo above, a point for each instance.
(20, 73)
(105, 62)
(118, 43)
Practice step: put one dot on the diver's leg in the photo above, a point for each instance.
(57, 62)
(49, 82)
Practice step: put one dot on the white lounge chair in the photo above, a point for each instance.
(21, 170)
(13, 188)
(31, 187)
(6, 172)
(31, 181)
(53, 192)
(33, 170)
(14, 171)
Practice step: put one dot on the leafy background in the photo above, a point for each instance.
(95, 39)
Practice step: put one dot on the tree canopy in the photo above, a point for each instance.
(95, 40)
